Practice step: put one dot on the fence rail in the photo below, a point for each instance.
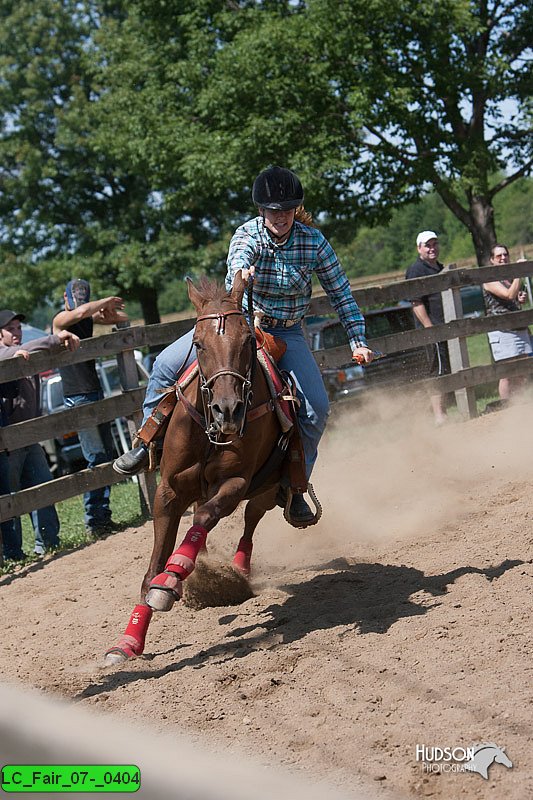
(128, 404)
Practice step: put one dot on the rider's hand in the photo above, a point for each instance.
(23, 354)
(248, 273)
(362, 355)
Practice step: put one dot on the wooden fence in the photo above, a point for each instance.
(122, 343)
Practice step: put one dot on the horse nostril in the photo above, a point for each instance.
(238, 410)
(216, 409)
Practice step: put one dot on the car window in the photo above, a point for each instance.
(389, 322)
(334, 336)
(53, 394)
(111, 377)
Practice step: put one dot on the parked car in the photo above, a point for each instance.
(348, 380)
(64, 451)
(30, 332)
(472, 301)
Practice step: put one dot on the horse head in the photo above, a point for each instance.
(225, 349)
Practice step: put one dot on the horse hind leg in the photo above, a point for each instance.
(253, 514)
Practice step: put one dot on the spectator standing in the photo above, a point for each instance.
(501, 297)
(428, 311)
(28, 465)
(11, 539)
(81, 385)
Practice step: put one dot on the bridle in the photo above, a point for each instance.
(206, 384)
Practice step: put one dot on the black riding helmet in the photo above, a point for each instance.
(277, 188)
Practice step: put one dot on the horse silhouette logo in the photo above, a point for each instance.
(484, 756)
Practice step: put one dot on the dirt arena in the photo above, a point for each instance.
(402, 619)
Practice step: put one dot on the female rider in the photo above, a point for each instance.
(282, 253)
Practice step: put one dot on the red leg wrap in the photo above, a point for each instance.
(182, 560)
(243, 557)
(132, 641)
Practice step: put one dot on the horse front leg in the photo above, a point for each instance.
(167, 515)
(256, 509)
(166, 587)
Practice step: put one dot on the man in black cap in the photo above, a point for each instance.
(28, 465)
(11, 548)
(81, 385)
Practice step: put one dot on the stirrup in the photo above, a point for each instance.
(314, 499)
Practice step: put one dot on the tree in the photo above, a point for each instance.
(429, 83)
(68, 206)
(373, 102)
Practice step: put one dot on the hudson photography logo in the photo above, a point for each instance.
(476, 758)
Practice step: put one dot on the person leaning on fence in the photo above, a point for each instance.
(501, 297)
(428, 311)
(283, 253)
(81, 385)
(28, 465)
(11, 545)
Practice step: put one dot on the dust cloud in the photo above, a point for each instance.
(385, 473)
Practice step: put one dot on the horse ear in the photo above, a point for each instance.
(239, 286)
(194, 295)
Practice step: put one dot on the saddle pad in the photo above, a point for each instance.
(189, 375)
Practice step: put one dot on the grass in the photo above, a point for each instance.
(125, 507)
(480, 355)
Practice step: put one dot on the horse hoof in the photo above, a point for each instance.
(242, 566)
(115, 657)
(160, 599)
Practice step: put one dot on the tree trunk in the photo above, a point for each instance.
(148, 299)
(482, 228)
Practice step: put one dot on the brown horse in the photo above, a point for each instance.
(219, 437)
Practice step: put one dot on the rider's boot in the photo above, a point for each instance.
(133, 461)
(300, 512)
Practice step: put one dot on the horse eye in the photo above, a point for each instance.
(197, 344)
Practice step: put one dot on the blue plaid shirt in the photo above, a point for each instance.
(283, 274)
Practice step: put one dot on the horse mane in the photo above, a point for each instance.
(211, 290)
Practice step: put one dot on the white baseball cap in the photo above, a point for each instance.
(425, 236)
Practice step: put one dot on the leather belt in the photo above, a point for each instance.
(270, 322)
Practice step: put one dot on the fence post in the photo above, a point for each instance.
(129, 379)
(458, 350)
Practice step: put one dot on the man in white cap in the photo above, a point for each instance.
(428, 312)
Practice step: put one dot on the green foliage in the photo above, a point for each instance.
(391, 246)
(129, 159)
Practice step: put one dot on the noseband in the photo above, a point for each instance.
(206, 384)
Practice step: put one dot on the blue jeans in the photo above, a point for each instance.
(298, 360)
(28, 467)
(11, 538)
(97, 448)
